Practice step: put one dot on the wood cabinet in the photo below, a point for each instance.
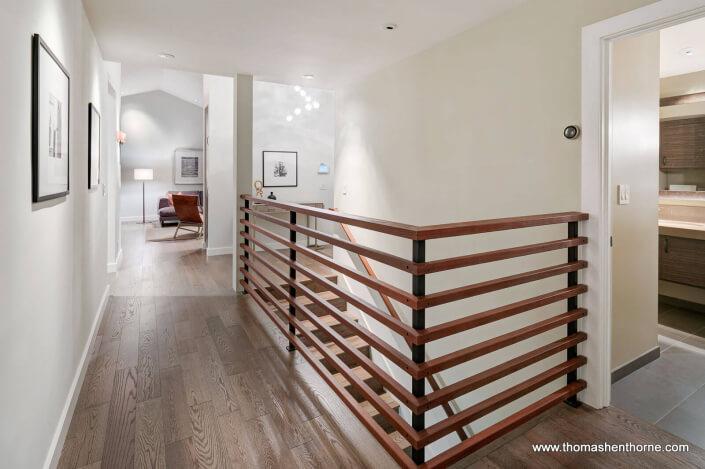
(682, 143)
(682, 260)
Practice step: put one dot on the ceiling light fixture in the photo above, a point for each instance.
(302, 93)
(308, 106)
(389, 27)
(297, 111)
(289, 118)
(308, 76)
(688, 51)
(308, 99)
(316, 104)
(297, 88)
(166, 55)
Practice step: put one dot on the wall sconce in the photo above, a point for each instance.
(121, 137)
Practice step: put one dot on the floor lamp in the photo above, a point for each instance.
(143, 175)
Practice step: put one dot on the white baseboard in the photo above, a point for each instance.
(138, 218)
(219, 251)
(115, 266)
(62, 428)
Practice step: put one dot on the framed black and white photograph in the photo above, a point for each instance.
(188, 166)
(279, 168)
(50, 124)
(93, 146)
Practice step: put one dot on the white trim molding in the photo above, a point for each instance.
(62, 428)
(221, 251)
(115, 266)
(595, 176)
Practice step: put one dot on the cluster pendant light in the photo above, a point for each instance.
(309, 104)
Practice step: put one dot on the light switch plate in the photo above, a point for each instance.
(623, 194)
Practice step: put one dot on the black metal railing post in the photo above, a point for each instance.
(572, 305)
(247, 243)
(418, 352)
(292, 275)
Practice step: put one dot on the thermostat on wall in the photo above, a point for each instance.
(323, 169)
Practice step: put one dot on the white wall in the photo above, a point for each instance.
(219, 96)
(311, 134)
(52, 260)
(156, 124)
(471, 129)
(635, 158)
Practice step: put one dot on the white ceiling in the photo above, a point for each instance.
(674, 40)
(141, 79)
(280, 40)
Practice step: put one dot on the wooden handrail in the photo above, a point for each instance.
(489, 434)
(426, 232)
(460, 293)
(483, 348)
(396, 293)
(480, 319)
(393, 324)
(393, 312)
(289, 296)
(392, 448)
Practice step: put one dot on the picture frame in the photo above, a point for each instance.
(188, 166)
(280, 168)
(93, 146)
(51, 88)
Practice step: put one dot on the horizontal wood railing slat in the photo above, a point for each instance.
(394, 324)
(471, 383)
(501, 428)
(426, 232)
(380, 256)
(372, 368)
(444, 427)
(449, 230)
(378, 432)
(480, 319)
(460, 293)
(483, 348)
(394, 355)
(390, 414)
(374, 283)
(441, 265)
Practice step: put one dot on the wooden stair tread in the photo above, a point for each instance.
(399, 440)
(306, 301)
(386, 397)
(328, 320)
(333, 348)
(358, 371)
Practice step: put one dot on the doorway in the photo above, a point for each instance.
(603, 199)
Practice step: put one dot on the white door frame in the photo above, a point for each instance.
(596, 186)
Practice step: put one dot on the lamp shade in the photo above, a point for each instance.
(145, 174)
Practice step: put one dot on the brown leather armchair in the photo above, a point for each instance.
(186, 208)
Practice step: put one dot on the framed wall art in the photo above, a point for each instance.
(50, 123)
(279, 168)
(93, 146)
(188, 166)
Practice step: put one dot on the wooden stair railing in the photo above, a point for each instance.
(393, 312)
(309, 309)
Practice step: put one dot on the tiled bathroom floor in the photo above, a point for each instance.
(670, 391)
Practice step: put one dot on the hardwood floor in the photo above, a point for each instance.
(185, 374)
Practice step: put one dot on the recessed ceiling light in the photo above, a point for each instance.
(308, 76)
(389, 27)
(688, 51)
(166, 55)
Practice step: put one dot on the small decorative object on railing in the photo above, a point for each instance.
(271, 196)
(311, 314)
(258, 188)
